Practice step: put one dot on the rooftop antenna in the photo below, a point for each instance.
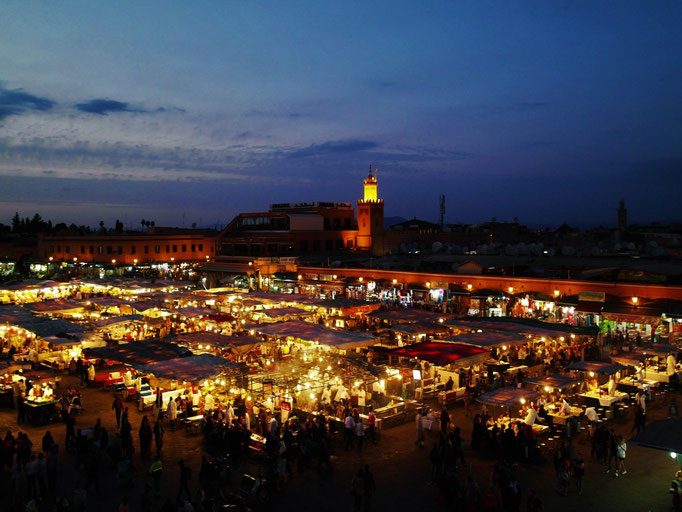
(442, 212)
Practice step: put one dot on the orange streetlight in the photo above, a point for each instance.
(113, 262)
(556, 293)
(510, 289)
(635, 300)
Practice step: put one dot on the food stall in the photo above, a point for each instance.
(555, 390)
(40, 403)
(434, 363)
(600, 393)
(514, 403)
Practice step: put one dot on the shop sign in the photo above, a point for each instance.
(591, 296)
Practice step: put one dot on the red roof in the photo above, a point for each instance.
(441, 354)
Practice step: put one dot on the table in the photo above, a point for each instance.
(39, 413)
(632, 385)
(604, 400)
(538, 428)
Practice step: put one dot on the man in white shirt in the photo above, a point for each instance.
(209, 402)
(671, 363)
(591, 414)
(531, 416)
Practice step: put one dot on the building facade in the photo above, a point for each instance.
(129, 248)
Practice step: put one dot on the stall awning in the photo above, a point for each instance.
(442, 353)
(508, 397)
(487, 339)
(589, 307)
(485, 293)
(138, 353)
(189, 369)
(554, 381)
(407, 315)
(306, 331)
(595, 366)
(661, 435)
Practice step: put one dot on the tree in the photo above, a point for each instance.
(16, 223)
(101, 226)
(119, 226)
(143, 222)
(152, 223)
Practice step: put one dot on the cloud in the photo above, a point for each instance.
(334, 147)
(103, 106)
(16, 101)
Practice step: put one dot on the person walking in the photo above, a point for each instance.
(613, 450)
(360, 434)
(172, 412)
(444, 422)
(349, 430)
(117, 406)
(578, 472)
(369, 487)
(185, 475)
(21, 410)
(145, 434)
(371, 425)
(155, 471)
(621, 451)
(420, 429)
(357, 489)
(158, 435)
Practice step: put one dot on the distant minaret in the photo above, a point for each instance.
(371, 217)
(622, 216)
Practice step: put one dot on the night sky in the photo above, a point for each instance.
(547, 111)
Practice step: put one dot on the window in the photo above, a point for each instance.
(304, 245)
(194, 247)
(110, 250)
(133, 249)
(339, 244)
(328, 245)
(59, 248)
(92, 249)
(201, 247)
(67, 249)
(184, 248)
(157, 249)
(146, 249)
(272, 248)
(175, 248)
(52, 248)
(100, 249)
(168, 248)
(120, 249)
(337, 223)
(316, 245)
(82, 249)
(346, 223)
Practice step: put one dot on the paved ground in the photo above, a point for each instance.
(401, 470)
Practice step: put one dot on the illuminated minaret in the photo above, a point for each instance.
(371, 217)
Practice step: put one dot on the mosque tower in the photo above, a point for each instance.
(371, 217)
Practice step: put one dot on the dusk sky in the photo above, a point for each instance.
(549, 111)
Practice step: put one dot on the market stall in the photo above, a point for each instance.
(597, 393)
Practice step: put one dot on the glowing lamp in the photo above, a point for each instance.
(635, 300)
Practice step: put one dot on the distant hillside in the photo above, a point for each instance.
(389, 221)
